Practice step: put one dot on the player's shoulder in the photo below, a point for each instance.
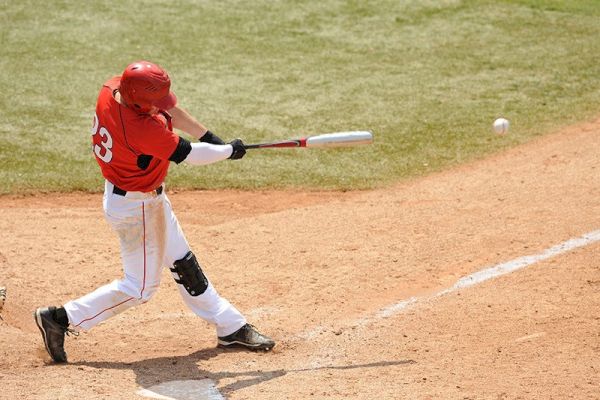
(107, 91)
(113, 83)
(143, 124)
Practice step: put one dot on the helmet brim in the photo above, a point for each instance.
(167, 102)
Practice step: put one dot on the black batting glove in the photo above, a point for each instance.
(238, 149)
(211, 138)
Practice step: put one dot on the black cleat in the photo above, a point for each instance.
(247, 336)
(52, 332)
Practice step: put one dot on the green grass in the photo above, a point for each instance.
(427, 77)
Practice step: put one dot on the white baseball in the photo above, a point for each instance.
(501, 126)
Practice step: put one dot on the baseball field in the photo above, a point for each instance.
(443, 261)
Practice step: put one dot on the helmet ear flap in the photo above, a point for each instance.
(132, 94)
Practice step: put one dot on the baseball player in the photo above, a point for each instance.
(134, 143)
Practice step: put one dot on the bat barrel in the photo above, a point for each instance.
(340, 139)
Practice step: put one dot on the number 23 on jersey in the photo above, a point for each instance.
(103, 149)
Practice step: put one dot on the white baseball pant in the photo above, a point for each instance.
(151, 238)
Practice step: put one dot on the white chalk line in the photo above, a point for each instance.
(470, 280)
(491, 272)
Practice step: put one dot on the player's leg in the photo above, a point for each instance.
(140, 227)
(205, 302)
(200, 295)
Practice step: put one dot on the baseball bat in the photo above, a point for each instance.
(337, 139)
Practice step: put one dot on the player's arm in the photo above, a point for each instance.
(183, 121)
(159, 141)
(206, 153)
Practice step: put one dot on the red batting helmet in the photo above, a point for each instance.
(144, 85)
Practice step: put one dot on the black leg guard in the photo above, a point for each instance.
(190, 274)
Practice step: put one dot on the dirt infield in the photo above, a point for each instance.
(315, 270)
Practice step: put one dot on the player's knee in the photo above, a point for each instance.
(140, 290)
(190, 274)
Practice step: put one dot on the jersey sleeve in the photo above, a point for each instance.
(156, 139)
(181, 151)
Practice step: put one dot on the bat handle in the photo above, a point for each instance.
(251, 146)
(282, 144)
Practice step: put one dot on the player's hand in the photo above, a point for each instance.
(238, 149)
(211, 138)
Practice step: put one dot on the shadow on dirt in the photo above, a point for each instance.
(154, 371)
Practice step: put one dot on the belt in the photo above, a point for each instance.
(121, 192)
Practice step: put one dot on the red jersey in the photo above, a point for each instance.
(132, 149)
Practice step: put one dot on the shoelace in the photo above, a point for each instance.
(251, 329)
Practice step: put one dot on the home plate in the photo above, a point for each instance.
(204, 389)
